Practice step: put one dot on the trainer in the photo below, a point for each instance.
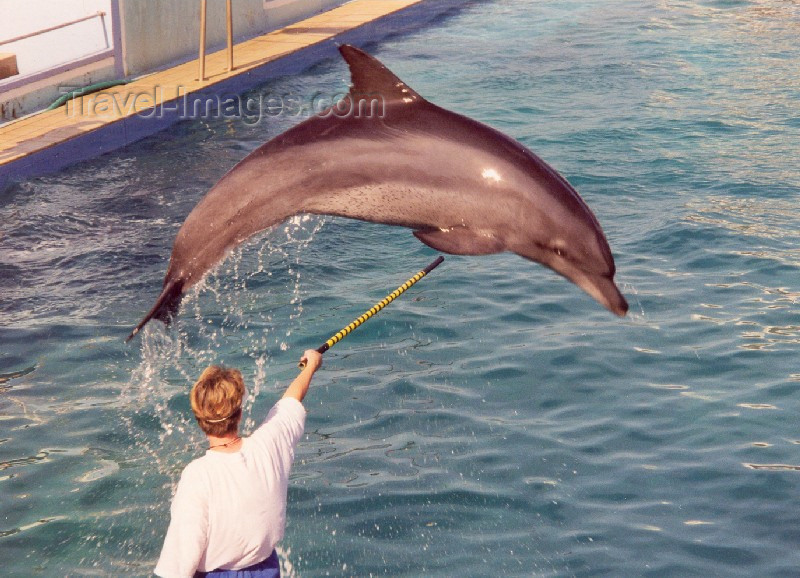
(229, 510)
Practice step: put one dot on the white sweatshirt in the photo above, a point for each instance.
(229, 510)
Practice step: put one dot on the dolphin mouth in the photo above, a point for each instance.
(599, 286)
(605, 292)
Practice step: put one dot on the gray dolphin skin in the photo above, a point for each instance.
(386, 155)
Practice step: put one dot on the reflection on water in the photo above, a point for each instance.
(757, 405)
(773, 467)
(772, 219)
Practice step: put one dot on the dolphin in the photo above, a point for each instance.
(386, 155)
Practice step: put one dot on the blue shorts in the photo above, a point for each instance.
(269, 568)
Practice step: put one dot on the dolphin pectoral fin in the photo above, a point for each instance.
(460, 241)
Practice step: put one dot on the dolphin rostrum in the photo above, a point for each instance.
(386, 155)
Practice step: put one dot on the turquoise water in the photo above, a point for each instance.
(495, 421)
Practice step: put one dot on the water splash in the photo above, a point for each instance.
(258, 288)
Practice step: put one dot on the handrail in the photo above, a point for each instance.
(98, 14)
(201, 74)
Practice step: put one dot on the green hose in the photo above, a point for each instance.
(85, 90)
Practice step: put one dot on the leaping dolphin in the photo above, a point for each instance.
(386, 155)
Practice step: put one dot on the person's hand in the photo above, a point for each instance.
(312, 359)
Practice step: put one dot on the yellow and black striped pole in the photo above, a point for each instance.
(375, 308)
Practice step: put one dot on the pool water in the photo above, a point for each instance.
(494, 421)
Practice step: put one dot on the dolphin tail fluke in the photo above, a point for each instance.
(165, 308)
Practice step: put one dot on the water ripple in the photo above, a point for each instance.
(495, 420)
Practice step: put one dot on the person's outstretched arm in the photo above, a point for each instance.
(299, 387)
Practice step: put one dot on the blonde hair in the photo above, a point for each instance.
(217, 400)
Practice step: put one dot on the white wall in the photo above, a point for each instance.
(18, 17)
(157, 33)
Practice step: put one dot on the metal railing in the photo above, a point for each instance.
(201, 74)
(56, 27)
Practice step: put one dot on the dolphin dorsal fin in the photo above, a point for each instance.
(370, 77)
